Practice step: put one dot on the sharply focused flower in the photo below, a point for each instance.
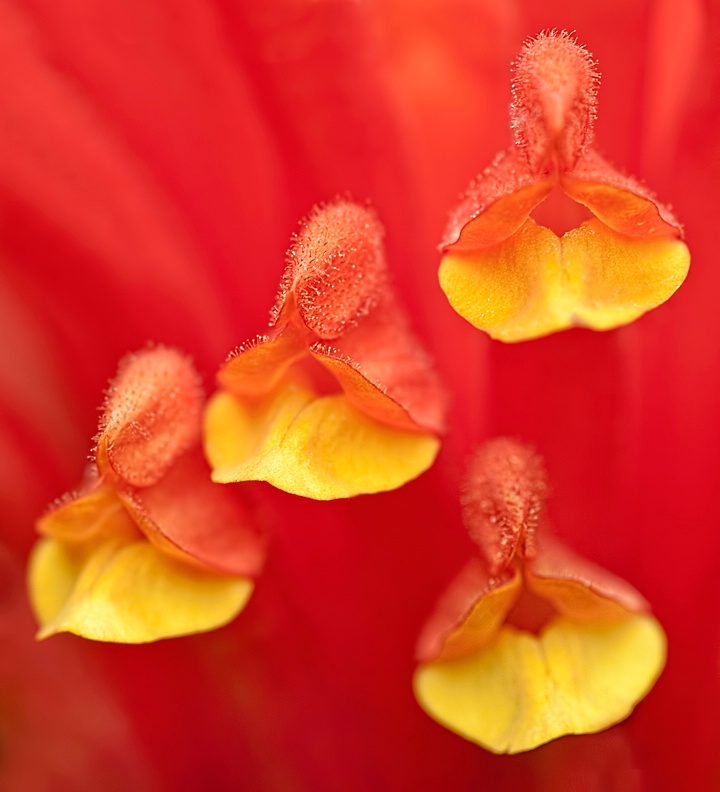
(532, 642)
(155, 156)
(148, 547)
(516, 279)
(339, 399)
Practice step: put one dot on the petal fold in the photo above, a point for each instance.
(469, 614)
(198, 522)
(84, 516)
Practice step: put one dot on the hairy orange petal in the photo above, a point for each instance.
(151, 415)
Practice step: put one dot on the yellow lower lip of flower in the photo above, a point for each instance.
(127, 592)
(317, 447)
(523, 690)
(535, 283)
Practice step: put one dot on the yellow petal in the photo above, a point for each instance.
(619, 277)
(524, 690)
(127, 593)
(513, 290)
(320, 448)
(535, 283)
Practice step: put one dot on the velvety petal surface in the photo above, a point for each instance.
(320, 448)
(523, 690)
(536, 283)
(128, 593)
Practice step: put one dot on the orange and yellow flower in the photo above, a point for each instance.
(339, 399)
(516, 279)
(532, 642)
(148, 547)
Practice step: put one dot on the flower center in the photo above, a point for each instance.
(560, 213)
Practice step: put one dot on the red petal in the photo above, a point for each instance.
(188, 516)
(258, 365)
(385, 351)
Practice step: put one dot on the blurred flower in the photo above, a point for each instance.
(155, 159)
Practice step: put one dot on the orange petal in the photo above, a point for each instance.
(536, 283)
(151, 415)
(336, 268)
(318, 447)
(369, 398)
(195, 520)
(85, 517)
(258, 365)
(469, 614)
(495, 205)
(383, 349)
(579, 589)
(619, 201)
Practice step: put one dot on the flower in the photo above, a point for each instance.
(372, 424)
(155, 159)
(148, 547)
(532, 643)
(517, 279)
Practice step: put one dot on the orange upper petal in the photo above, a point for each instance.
(620, 201)
(554, 96)
(385, 352)
(86, 516)
(496, 204)
(151, 415)
(579, 589)
(257, 366)
(469, 614)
